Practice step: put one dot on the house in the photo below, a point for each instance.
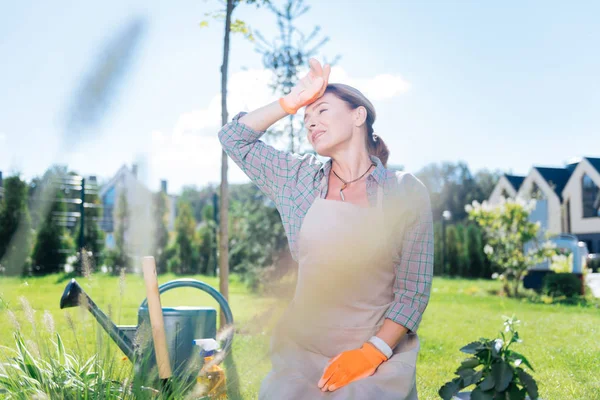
(582, 203)
(545, 185)
(507, 187)
(567, 198)
(139, 199)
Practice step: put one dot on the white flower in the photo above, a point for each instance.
(468, 208)
(486, 206)
(495, 275)
(498, 344)
(488, 249)
(518, 362)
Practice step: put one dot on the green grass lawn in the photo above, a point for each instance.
(562, 342)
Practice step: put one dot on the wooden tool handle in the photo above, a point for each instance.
(156, 318)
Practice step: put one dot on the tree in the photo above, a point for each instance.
(285, 56)
(258, 237)
(512, 240)
(160, 234)
(452, 185)
(15, 227)
(241, 27)
(437, 249)
(119, 257)
(198, 199)
(207, 250)
(52, 242)
(474, 252)
(463, 261)
(185, 242)
(452, 257)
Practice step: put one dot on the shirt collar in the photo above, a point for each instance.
(378, 172)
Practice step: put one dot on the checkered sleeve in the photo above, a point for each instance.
(266, 166)
(414, 258)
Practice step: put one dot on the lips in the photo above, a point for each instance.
(317, 134)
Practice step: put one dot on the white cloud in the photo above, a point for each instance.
(377, 88)
(191, 153)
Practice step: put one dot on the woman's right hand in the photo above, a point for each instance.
(308, 89)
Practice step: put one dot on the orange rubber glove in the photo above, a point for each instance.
(351, 366)
(308, 89)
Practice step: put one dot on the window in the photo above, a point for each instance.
(590, 196)
(505, 194)
(536, 192)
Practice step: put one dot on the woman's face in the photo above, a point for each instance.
(329, 122)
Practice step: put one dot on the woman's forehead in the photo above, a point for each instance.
(326, 98)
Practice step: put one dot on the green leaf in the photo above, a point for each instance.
(465, 372)
(503, 375)
(26, 361)
(470, 363)
(63, 357)
(472, 348)
(449, 389)
(517, 356)
(514, 393)
(473, 379)
(528, 382)
(478, 394)
(488, 383)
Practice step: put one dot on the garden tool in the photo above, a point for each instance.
(156, 320)
(182, 325)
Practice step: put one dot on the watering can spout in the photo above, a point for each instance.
(74, 296)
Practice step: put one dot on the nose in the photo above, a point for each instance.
(310, 124)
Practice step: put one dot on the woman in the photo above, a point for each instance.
(363, 239)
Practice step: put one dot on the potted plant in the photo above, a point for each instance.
(501, 376)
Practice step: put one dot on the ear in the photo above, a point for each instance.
(360, 116)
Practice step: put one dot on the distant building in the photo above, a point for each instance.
(139, 199)
(567, 199)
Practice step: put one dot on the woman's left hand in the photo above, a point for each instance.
(350, 366)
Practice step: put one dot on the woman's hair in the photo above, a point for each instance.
(354, 98)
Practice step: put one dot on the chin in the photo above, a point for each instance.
(323, 151)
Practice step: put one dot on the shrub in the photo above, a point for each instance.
(562, 284)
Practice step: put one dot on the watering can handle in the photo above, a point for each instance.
(186, 282)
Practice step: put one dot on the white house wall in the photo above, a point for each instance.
(503, 184)
(572, 191)
(554, 206)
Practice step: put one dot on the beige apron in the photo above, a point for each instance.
(345, 286)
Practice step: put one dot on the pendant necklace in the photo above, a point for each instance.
(345, 184)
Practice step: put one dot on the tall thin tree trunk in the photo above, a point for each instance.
(233, 379)
(224, 200)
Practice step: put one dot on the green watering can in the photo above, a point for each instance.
(182, 326)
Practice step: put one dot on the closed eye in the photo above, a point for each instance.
(320, 112)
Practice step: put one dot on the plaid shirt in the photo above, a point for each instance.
(293, 182)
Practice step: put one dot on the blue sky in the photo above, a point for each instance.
(499, 86)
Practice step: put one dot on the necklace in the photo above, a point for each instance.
(346, 183)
